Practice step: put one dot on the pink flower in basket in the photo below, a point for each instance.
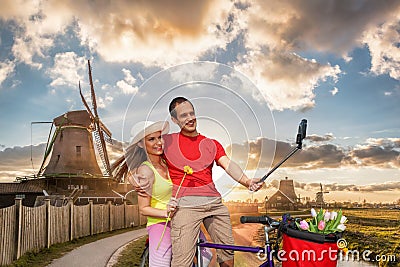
(321, 225)
(304, 225)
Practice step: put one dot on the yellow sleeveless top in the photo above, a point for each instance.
(160, 194)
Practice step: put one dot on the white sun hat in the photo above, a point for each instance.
(143, 128)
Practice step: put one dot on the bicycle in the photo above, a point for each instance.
(265, 253)
(144, 258)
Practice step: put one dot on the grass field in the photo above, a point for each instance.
(375, 230)
(130, 256)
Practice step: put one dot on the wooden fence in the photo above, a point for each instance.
(24, 229)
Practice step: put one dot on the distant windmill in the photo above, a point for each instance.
(299, 199)
(319, 197)
(71, 146)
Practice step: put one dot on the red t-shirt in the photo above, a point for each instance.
(199, 153)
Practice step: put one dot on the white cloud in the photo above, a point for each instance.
(199, 71)
(383, 43)
(286, 80)
(6, 69)
(140, 77)
(127, 85)
(385, 142)
(68, 70)
(26, 47)
(102, 102)
(128, 76)
(11, 9)
(335, 27)
(126, 88)
(334, 91)
(38, 23)
(277, 32)
(152, 34)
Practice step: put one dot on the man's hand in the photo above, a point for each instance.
(255, 185)
(140, 183)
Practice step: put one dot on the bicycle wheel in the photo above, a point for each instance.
(145, 257)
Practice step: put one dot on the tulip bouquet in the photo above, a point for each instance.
(324, 222)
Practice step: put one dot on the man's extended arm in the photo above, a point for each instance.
(234, 171)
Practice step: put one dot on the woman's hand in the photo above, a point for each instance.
(172, 206)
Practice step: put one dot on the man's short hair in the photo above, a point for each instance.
(176, 101)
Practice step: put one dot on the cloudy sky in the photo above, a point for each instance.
(253, 69)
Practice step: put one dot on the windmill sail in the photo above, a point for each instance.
(100, 128)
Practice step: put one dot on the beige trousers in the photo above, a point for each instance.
(186, 223)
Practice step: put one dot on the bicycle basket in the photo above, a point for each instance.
(306, 249)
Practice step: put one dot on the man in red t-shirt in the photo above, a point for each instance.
(199, 201)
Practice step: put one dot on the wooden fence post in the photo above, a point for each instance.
(110, 215)
(91, 217)
(18, 225)
(48, 224)
(125, 215)
(71, 219)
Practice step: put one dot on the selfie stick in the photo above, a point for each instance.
(301, 134)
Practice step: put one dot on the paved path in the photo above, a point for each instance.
(97, 254)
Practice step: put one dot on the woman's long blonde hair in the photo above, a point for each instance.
(134, 156)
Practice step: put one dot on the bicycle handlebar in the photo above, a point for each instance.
(259, 219)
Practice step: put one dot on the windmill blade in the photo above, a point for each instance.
(84, 101)
(105, 130)
(99, 136)
(120, 169)
(101, 148)
(120, 174)
(117, 162)
(92, 93)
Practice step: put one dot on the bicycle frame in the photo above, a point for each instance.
(265, 251)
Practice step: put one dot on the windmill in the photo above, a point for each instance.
(71, 146)
(319, 197)
(299, 199)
